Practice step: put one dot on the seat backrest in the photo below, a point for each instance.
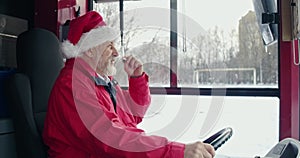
(39, 62)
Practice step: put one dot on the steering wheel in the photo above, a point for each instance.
(219, 138)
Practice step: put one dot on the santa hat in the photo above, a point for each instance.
(86, 32)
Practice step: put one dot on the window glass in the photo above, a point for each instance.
(220, 44)
(146, 36)
(188, 118)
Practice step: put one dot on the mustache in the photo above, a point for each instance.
(116, 59)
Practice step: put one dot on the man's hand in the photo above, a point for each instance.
(133, 67)
(199, 150)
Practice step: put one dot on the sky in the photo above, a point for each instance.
(204, 13)
(217, 12)
(208, 13)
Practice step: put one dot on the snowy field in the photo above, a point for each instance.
(254, 120)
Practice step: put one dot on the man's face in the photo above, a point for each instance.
(108, 55)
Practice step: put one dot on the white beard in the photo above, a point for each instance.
(110, 70)
(107, 68)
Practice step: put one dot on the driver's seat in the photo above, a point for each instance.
(39, 62)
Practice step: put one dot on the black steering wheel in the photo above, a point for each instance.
(219, 138)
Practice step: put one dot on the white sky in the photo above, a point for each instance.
(208, 13)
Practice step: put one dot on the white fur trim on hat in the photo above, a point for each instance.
(69, 50)
(89, 40)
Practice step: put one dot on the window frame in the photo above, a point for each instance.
(174, 89)
(289, 105)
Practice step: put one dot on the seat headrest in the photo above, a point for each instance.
(38, 50)
(39, 58)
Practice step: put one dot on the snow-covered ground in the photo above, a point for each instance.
(254, 120)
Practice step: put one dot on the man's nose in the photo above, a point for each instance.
(115, 52)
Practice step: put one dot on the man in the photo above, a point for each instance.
(90, 116)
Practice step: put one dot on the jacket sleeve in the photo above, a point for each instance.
(110, 137)
(139, 89)
(135, 101)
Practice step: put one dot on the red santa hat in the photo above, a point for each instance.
(86, 32)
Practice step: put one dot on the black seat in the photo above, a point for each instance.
(38, 64)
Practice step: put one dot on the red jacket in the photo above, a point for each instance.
(81, 121)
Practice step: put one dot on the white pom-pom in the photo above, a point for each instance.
(69, 50)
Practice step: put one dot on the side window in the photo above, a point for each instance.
(146, 36)
(228, 51)
(217, 46)
(212, 56)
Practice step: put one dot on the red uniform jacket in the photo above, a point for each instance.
(81, 121)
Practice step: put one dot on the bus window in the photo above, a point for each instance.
(145, 36)
(255, 126)
(229, 51)
(212, 57)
